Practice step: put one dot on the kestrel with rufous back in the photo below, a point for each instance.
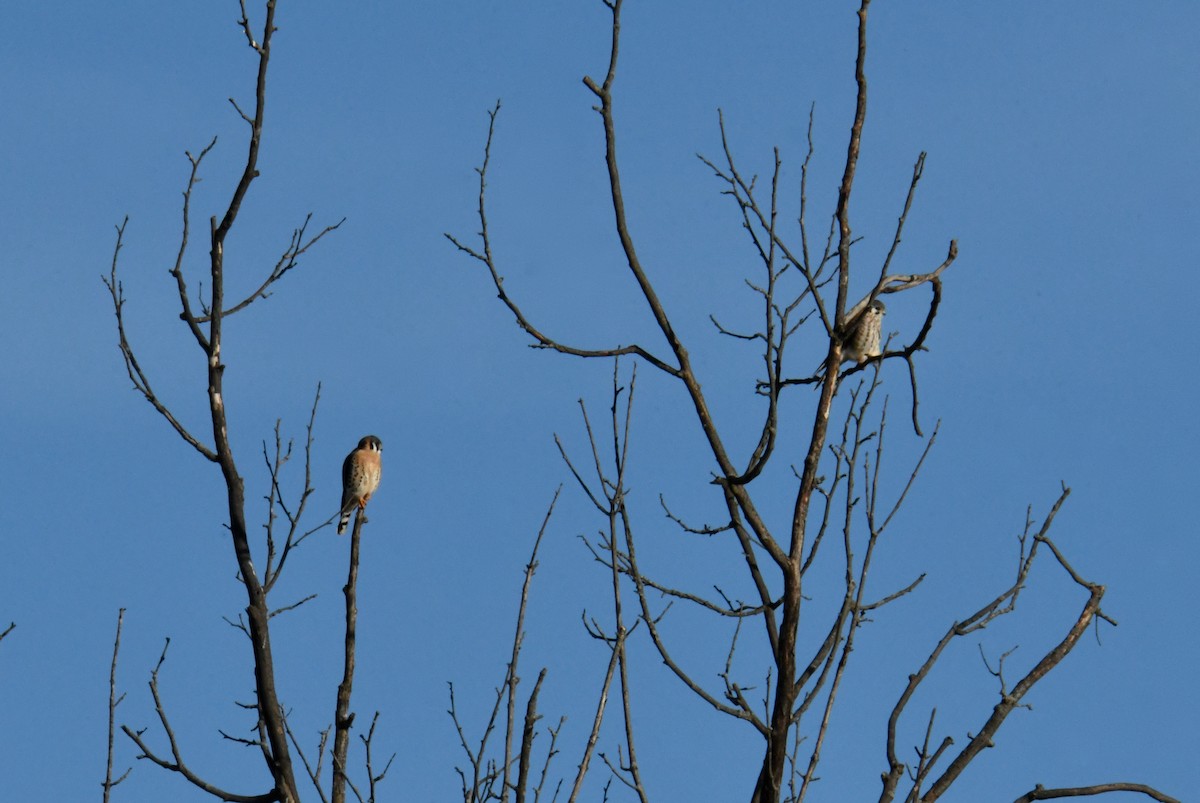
(361, 472)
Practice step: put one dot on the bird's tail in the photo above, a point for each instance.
(343, 522)
(819, 373)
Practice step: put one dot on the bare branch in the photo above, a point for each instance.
(705, 530)
(141, 383)
(271, 575)
(594, 734)
(286, 262)
(1039, 792)
(113, 701)
(486, 257)
(176, 763)
(374, 779)
(486, 773)
(314, 773)
(512, 679)
(551, 752)
(343, 717)
(527, 736)
(186, 314)
(918, 169)
(999, 606)
(293, 606)
(244, 22)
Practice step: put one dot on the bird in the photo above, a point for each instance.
(862, 342)
(360, 477)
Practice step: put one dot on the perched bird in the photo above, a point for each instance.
(360, 477)
(862, 342)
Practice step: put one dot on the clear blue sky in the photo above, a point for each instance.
(1062, 141)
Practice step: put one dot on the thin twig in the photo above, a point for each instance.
(113, 701)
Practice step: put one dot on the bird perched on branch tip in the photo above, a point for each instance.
(361, 472)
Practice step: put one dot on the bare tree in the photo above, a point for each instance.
(839, 510)
(204, 316)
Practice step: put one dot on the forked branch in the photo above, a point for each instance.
(141, 382)
(490, 778)
(287, 260)
(487, 258)
(176, 763)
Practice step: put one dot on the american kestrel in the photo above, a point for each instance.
(863, 341)
(360, 477)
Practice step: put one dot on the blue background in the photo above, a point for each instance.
(1062, 156)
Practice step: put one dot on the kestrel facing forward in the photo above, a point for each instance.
(863, 342)
(360, 477)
